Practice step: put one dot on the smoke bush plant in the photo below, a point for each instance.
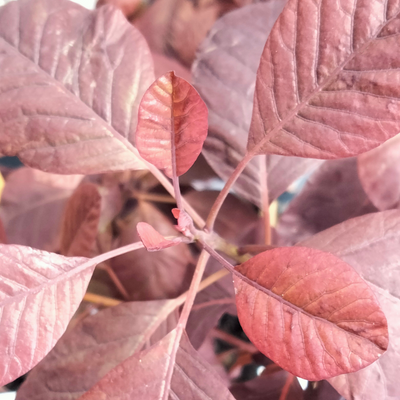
(78, 96)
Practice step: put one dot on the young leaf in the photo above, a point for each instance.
(172, 125)
(39, 293)
(142, 376)
(370, 244)
(81, 219)
(70, 84)
(151, 276)
(310, 312)
(379, 172)
(332, 195)
(152, 240)
(224, 73)
(30, 197)
(97, 344)
(326, 85)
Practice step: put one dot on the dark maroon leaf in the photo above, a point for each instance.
(39, 293)
(224, 73)
(81, 220)
(301, 304)
(151, 276)
(370, 244)
(379, 172)
(172, 125)
(332, 195)
(267, 387)
(70, 84)
(325, 86)
(31, 197)
(96, 345)
(3, 236)
(142, 376)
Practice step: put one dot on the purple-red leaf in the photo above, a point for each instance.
(379, 172)
(70, 84)
(327, 81)
(332, 195)
(224, 73)
(152, 240)
(310, 312)
(39, 293)
(81, 220)
(96, 345)
(142, 376)
(31, 197)
(370, 244)
(172, 125)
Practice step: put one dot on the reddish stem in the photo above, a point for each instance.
(225, 191)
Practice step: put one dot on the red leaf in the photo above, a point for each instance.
(3, 236)
(370, 244)
(172, 125)
(142, 376)
(39, 293)
(224, 73)
(96, 345)
(326, 85)
(70, 85)
(379, 172)
(152, 240)
(30, 197)
(309, 306)
(81, 219)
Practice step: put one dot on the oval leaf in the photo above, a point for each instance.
(327, 81)
(142, 376)
(39, 294)
(70, 84)
(379, 172)
(77, 361)
(172, 125)
(224, 73)
(81, 219)
(310, 312)
(370, 244)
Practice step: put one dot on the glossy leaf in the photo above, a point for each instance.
(370, 244)
(379, 172)
(224, 73)
(325, 318)
(81, 220)
(31, 197)
(39, 293)
(151, 276)
(70, 84)
(142, 376)
(331, 195)
(152, 240)
(326, 82)
(96, 345)
(172, 125)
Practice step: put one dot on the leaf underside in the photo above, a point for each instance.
(326, 85)
(39, 293)
(70, 84)
(310, 312)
